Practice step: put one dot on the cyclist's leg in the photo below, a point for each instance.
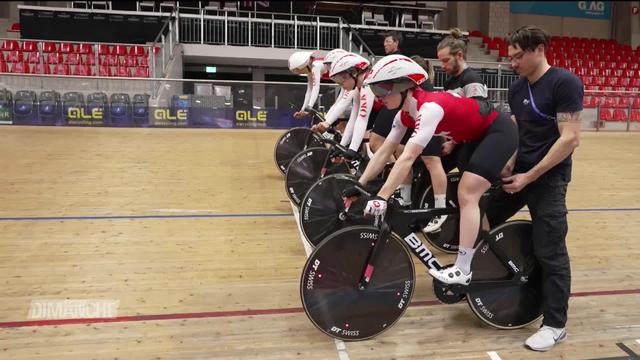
(381, 128)
(431, 159)
(342, 123)
(485, 164)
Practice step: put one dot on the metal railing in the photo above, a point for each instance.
(245, 28)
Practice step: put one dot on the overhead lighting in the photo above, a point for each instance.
(211, 69)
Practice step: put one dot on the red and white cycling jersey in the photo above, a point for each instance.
(441, 114)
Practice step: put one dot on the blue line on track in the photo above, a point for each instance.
(223, 216)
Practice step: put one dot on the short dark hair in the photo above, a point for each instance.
(396, 36)
(529, 37)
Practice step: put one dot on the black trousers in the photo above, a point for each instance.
(546, 199)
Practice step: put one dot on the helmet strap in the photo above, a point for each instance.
(403, 95)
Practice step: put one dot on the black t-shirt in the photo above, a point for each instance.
(467, 84)
(427, 86)
(557, 91)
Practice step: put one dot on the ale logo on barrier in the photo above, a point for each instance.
(242, 115)
(81, 114)
(165, 114)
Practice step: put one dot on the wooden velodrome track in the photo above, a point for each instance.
(192, 232)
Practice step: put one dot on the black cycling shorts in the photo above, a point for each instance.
(487, 156)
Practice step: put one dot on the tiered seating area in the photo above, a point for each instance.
(81, 59)
(609, 71)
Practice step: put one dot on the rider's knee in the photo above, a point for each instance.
(375, 142)
(431, 162)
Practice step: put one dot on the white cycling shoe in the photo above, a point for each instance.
(451, 275)
(435, 224)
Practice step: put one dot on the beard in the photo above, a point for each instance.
(455, 68)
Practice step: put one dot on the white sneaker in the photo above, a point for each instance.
(546, 338)
(451, 275)
(435, 224)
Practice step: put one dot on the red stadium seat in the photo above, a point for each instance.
(104, 49)
(61, 69)
(29, 46)
(14, 56)
(130, 61)
(120, 50)
(46, 69)
(33, 58)
(142, 72)
(620, 115)
(67, 48)
(636, 103)
(54, 58)
(623, 102)
(105, 71)
(10, 45)
(89, 59)
(635, 115)
(142, 61)
(612, 81)
(138, 51)
(86, 49)
(110, 60)
(83, 70)
(20, 68)
(122, 71)
(3, 67)
(73, 59)
(605, 114)
(50, 47)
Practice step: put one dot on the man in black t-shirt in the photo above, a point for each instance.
(546, 103)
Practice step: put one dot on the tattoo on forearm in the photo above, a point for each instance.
(569, 117)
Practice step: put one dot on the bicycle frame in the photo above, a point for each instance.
(400, 223)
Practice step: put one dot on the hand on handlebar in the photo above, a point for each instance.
(320, 127)
(300, 114)
(376, 206)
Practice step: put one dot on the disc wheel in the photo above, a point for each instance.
(291, 143)
(329, 288)
(512, 306)
(322, 211)
(306, 168)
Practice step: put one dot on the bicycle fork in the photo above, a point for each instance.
(369, 268)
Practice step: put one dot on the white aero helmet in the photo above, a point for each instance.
(332, 56)
(348, 61)
(394, 74)
(299, 61)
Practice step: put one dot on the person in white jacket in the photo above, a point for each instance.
(317, 68)
(349, 71)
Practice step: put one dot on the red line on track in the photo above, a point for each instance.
(248, 312)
